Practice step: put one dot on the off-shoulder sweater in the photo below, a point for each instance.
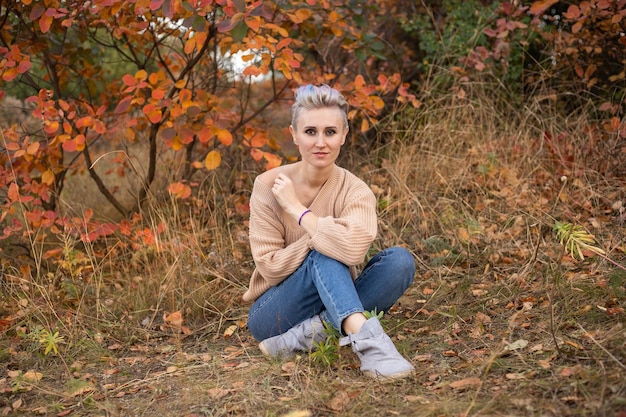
(346, 228)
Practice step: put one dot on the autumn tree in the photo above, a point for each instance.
(180, 78)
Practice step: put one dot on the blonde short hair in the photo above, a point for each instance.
(318, 96)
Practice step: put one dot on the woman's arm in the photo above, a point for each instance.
(274, 259)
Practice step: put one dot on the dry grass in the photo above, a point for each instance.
(498, 323)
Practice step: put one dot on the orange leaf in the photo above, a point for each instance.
(539, 7)
(153, 113)
(256, 154)
(14, 192)
(158, 94)
(174, 319)
(303, 14)
(45, 22)
(51, 127)
(70, 146)
(225, 137)
(258, 140)
(80, 142)
(273, 161)
(129, 80)
(32, 148)
(10, 74)
(190, 45)
(47, 177)
(212, 160)
(253, 22)
(179, 190)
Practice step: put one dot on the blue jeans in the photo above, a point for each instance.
(322, 285)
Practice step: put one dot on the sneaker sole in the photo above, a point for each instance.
(387, 378)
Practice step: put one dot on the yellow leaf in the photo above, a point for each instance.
(47, 177)
(212, 160)
(303, 14)
(230, 330)
(365, 125)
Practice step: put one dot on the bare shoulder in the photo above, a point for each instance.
(268, 177)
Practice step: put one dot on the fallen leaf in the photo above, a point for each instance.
(174, 320)
(465, 383)
(518, 344)
(17, 403)
(76, 387)
(544, 363)
(298, 413)
(230, 330)
(32, 376)
(416, 398)
(217, 393)
(339, 401)
(289, 367)
(482, 318)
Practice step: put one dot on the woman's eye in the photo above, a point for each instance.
(310, 131)
(331, 132)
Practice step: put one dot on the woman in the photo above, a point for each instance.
(311, 224)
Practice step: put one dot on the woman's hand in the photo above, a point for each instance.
(285, 194)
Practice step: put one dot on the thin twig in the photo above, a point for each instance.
(601, 347)
(556, 344)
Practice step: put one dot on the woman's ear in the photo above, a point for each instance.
(345, 135)
(293, 134)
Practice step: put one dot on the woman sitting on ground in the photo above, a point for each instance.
(311, 224)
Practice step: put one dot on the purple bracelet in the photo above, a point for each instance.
(302, 215)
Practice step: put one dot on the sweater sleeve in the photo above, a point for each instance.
(274, 259)
(348, 237)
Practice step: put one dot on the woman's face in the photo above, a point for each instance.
(319, 135)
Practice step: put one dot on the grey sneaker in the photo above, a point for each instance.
(299, 338)
(379, 357)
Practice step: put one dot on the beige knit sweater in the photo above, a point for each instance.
(346, 228)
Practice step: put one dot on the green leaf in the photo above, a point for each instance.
(239, 31)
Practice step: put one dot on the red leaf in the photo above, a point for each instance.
(23, 66)
(36, 11)
(155, 4)
(123, 105)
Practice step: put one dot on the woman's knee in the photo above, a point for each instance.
(404, 263)
(325, 261)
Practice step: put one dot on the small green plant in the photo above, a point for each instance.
(326, 352)
(575, 239)
(44, 339)
(374, 313)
